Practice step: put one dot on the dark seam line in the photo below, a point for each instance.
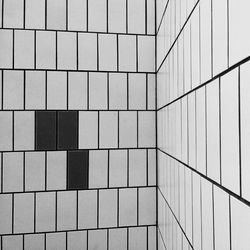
(210, 80)
(246, 202)
(239, 124)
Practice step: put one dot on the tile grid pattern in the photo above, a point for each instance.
(77, 111)
(203, 125)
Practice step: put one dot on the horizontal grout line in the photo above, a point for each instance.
(77, 190)
(208, 81)
(80, 31)
(79, 149)
(81, 110)
(79, 70)
(189, 16)
(183, 231)
(238, 197)
(74, 230)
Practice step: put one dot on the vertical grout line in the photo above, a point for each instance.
(24, 14)
(24, 172)
(13, 50)
(126, 16)
(213, 217)
(137, 53)
(13, 212)
(212, 59)
(239, 124)
(35, 49)
(230, 221)
(46, 14)
(87, 15)
(228, 34)
(34, 212)
(220, 130)
(3, 13)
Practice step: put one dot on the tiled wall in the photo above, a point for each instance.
(203, 73)
(77, 125)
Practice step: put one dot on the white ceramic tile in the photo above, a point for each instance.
(35, 14)
(136, 16)
(24, 49)
(6, 43)
(77, 90)
(240, 218)
(201, 130)
(191, 130)
(24, 126)
(117, 16)
(56, 90)
(127, 53)
(13, 172)
(34, 171)
(127, 129)
(151, 17)
(147, 206)
(107, 52)
(6, 213)
(151, 167)
(66, 210)
(137, 167)
(34, 241)
(12, 242)
(245, 115)
(77, 240)
(56, 241)
(13, 14)
(220, 43)
(97, 239)
(77, 15)
(108, 208)
(56, 14)
(87, 209)
(98, 90)
(146, 53)
(13, 89)
(98, 168)
(117, 91)
(207, 215)
(138, 238)
(35, 90)
(97, 15)
(152, 242)
(146, 129)
(213, 151)
(87, 51)
(66, 50)
(118, 239)
(230, 131)
(88, 130)
(151, 91)
(6, 131)
(45, 211)
(205, 34)
(45, 50)
(56, 170)
(127, 207)
(137, 91)
(108, 130)
(24, 213)
(221, 219)
(118, 168)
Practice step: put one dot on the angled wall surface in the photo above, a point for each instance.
(203, 73)
(77, 125)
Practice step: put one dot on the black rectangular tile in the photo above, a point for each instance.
(67, 130)
(78, 170)
(45, 130)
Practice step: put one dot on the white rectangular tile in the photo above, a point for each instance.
(87, 209)
(66, 210)
(56, 14)
(138, 238)
(77, 240)
(56, 241)
(88, 130)
(24, 213)
(6, 130)
(13, 14)
(98, 168)
(118, 239)
(56, 170)
(97, 239)
(6, 43)
(12, 242)
(24, 130)
(6, 213)
(34, 241)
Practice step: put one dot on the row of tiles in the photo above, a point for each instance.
(22, 49)
(60, 170)
(120, 16)
(39, 130)
(130, 238)
(73, 210)
(203, 49)
(210, 217)
(209, 130)
(34, 90)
